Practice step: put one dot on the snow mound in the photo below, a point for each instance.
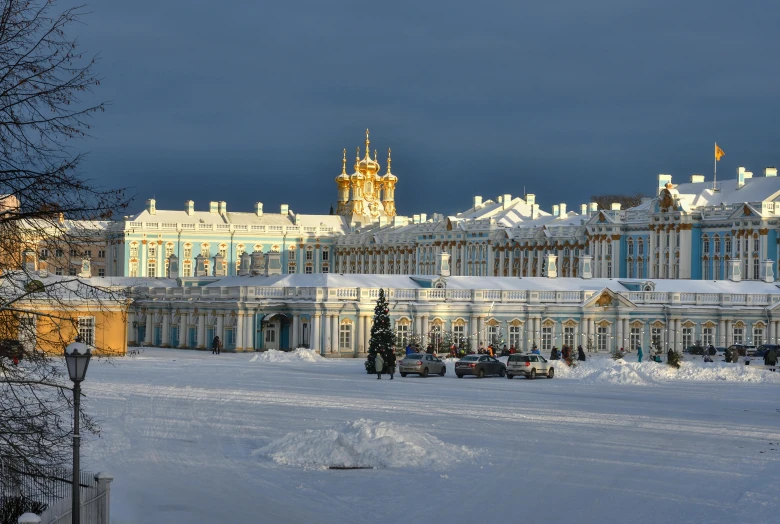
(299, 355)
(604, 370)
(365, 443)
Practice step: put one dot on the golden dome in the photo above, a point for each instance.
(389, 176)
(343, 176)
(367, 166)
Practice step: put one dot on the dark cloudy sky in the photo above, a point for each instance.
(250, 101)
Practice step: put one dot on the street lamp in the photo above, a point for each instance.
(77, 355)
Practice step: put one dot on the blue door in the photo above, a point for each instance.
(193, 337)
(175, 336)
(230, 338)
(284, 340)
(157, 339)
(210, 337)
(141, 335)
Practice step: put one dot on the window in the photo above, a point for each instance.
(716, 269)
(687, 337)
(630, 248)
(756, 245)
(58, 271)
(401, 334)
(133, 250)
(270, 335)
(309, 270)
(707, 336)
(705, 273)
(223, 250)
(601, 338)
(325, 255)
(205, 250)
(187, 251)
(635, 338)
(86, 327)
(73, 252)
(706, 247)
(609, 270)
(717, 244)
(656, 338)
(152, 250)
(133, 269)
(345, 336)
(44, 254)
(547, 338)
(728, 245)
(101, 253)
(641, 247)
(514, 336)
(324, 268)
(72, 271)
(756, 269)
(151, 269)
(186, 268)
(568, 336)
(630, 269)
(640, 269)
(758, 336)
(309, 255)
(739, 335)
(101, 272)
(58, 252)
(291, 267)
(168, 250)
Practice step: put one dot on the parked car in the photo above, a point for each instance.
(742, 349)
(530, 366)
(10, 349)
(761, 350)
(694, 350)
(479, 365)
(422, 364)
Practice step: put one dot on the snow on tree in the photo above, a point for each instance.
(382, 335)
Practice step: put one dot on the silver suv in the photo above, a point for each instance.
(529, 365)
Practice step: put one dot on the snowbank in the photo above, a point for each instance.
(604, 370)
(367, 444)
(299, 355)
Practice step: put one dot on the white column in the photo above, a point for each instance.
(328, 342)
(367, 332)
(183, 329)
(334, 321)
(149, 329)
(480, 329)
(424, 322)
(773, 332)
(592, 333)
(720, 339)
(166, 329)
(314, 335)
(131, 331)
(418, 326)
(201, 329)
(729, 333)
(473, 332)
(295, 329)
(620, 333)
(249, 331)
(221, 328)
(239, 331)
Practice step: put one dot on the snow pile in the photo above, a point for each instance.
(365, 444)
(299, 355)
(604, 370)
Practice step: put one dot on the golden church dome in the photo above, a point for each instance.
(367, 166)
(343, 178)
(389, 177)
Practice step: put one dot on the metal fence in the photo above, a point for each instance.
(52, 486)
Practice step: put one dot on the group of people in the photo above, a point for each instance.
(384, 362)
(566, 353)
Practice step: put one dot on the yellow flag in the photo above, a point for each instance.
(718, 152)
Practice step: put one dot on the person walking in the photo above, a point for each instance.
(390, 362)
(770, 358)
(580, 354)
(379, 365)
(215, 346)
(409, 349)
(639, 354)
(554, 353)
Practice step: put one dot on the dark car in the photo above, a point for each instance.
(479, 365)
(742, 349)
(695, 350)
(11, 349)
(762, 349)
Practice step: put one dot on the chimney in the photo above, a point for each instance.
(550, 269)
(416, 219)
(770, 171)
(477, 202)
(243, 268)
(555, 210)
(583, 209)
(615, 206)
(259, 209)
(273, 264)
(530, 199)
(735, 269)
(284, 209)
(534, 211)
(423, 218)
(697, 179)
(586, 266)
(740, 177)
(443, 264)
(213, 207)
(562, 209)
(151, 206)
(767, 275)
(594, 208)
(257, 262)
(189, 206)
(223, 207)
(507, 201)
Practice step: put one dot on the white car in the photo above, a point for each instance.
(529, 365)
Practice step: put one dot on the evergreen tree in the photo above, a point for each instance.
(381, 333)
(331, 209)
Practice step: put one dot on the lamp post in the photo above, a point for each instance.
(77, 355)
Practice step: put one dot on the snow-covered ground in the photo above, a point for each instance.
(193, 437)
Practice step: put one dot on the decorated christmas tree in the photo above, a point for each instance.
(381, 333)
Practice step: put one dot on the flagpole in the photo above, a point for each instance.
(715, 171)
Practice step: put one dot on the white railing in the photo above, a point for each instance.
(95, 504)
(346, 293)
(738, 299)
(688, 297)
(547, 295)
(460, 294)
(571, 296)
(492, 294)
(437, 293)
(709, 298)
(269, 292)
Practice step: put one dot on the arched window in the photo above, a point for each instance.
(641, 247)
(705, 245)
